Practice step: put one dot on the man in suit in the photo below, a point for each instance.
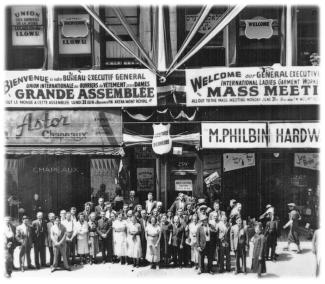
(216, 211)
(150, 204)
(143, 224)
(10, 243)
(179, 203)
(239, 243)
(49, 241)
(271, 234)
(105, 232)
(223, 234)
(24, 236)
(133, 200)
(39, 239)
(58, 237)
(205, 244)
(100, 207)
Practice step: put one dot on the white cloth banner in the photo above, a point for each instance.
(234, 161)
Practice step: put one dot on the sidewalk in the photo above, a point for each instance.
(289, 264)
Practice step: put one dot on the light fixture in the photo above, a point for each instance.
(276, 155)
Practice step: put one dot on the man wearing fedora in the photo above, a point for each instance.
(294, 217)
(205, 244)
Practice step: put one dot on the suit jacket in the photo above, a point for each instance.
(154, 205)
(223, 234)
(24, 238)
(132, 203)
(178, 235)
(58, 234)
(39, 232)
(178, 204)
(238, 236)
(201, 238)
(104, 227)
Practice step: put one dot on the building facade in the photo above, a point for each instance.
(238, 119)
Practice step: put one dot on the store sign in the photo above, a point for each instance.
(161, 141)
(27, 25)
(74, 35)
(183, 163)
(294, 135)
(76, 89)
(183, 185)
(63, 127)
(234, 135)
(212, 178)
(252, 86)
(234, 161)
(145, 179)
(209, 22)
(299, 180)
(258, 28)
(307, 160)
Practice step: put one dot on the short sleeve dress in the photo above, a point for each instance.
(153, 252)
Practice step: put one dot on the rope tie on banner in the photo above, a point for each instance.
(139, 116)
(96, 17)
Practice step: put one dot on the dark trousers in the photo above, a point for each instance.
(24, 252)
(39, 254)
(224, 254)
(51, 255)
(107, 249)
(240, 253)
(71, 251)
(187, 254)
(178, 256)
(271, 243)
(208, 252)
(9, 259)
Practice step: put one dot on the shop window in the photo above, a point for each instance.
(26, 36)
(74, 29)
(259, 36)
(213, 53)
(307, 35)
(114, 55)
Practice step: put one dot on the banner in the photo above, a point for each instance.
(63, 127)
(183, 185)
(76, 89)
(27, 26)
(209, 22)
(234, 161)
(258, 28)
(294, 135)
(145, 179)
(74, 35)
(161, 141)
(233, 135)
(252, 86)
(307, 160)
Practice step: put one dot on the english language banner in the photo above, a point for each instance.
(252, 86)
(77, 89)
(63, 127)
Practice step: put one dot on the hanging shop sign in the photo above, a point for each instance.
(252, 86)
(234, 135)
(161, 141)
(307, 160)
(91, 88)
(27, 25)
(145, 179)
(183, 185)
(258, 28)
(74, 35)
(63, 127)
(235, 161)
(209, 22)
(212, 178)
(294, 135)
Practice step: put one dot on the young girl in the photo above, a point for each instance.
(258, 257)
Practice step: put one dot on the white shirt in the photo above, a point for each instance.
(69, 225)
(207, 233)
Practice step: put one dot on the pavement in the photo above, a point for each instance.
(288, 264)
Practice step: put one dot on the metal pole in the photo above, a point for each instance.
(288, 40)
(224, 21)
(125, 24)
(50, 38)
(120, 42)
(203, 14)
(161, 65)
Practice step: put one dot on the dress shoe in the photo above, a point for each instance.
(199, 272)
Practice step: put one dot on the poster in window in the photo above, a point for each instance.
(145, 179)
(235, 161)
(74, 34)
(307, 160)
(27, 26)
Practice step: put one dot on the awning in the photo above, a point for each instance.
(111, 151)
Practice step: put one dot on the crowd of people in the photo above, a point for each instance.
(125, 232)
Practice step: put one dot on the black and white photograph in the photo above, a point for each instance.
(161, 140)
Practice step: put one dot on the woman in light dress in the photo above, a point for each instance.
(153, 234)
(119, 227)
(192, 230)
(134, 249)
(82, 238)
(128, 221)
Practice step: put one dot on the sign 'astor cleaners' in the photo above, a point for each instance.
(109, 88)
(252, 86)
(260, 135)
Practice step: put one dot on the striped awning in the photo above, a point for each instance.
(111, 151)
